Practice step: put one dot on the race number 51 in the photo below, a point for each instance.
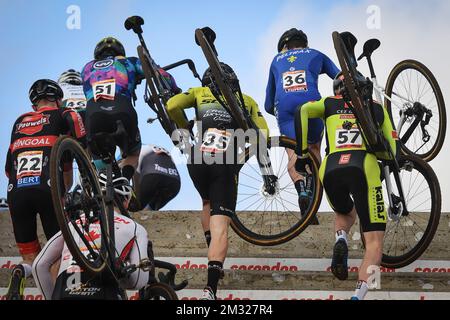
(105, 89)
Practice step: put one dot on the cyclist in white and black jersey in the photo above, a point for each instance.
(157, 180)
(131, 243)
(72, 85)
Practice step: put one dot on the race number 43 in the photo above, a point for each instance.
(29, 164)
(105, 89)
(295, 81)
(215, 141)
(348, 139)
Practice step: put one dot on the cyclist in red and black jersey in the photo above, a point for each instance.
(28, 170)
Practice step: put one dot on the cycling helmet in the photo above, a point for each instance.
(45, 89)
(292, 34)
(3, 203)
(108, 47)
(209, 81)
(71, 77)
(121, 186)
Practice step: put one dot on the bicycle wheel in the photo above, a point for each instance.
(409, 83)
(232, 104)
(77, 214)
(407, 237)
(155, 92)
(351, 83)
(271, 219)
(159, 291)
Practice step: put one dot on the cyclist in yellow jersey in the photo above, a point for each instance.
(216, 180)
(349, 171)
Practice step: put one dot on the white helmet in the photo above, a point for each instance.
(121, 186)
(71, 77)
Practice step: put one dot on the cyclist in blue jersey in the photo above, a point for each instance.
(293, 81)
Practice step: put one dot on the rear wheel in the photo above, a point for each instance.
(270, 219)
(407, 237)
(411, 82)
(77, 211)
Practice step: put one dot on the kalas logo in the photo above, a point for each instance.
(33, 124)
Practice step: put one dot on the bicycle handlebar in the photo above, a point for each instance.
(169, 278)
(188, 62)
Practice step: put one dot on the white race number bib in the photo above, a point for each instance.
(29, 164)
(105, 89)
(216, 141)
(346, 139)
(294, 81)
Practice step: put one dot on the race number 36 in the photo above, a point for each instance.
(215, 141)
(295, 81)
(105, 89)
(348, 139)
(29, 164)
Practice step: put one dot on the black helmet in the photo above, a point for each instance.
(338, 84)
(45, 89)
(108, 47)
(209, 81)
(71, 77)
(292, 34)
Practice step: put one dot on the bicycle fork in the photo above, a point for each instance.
(397, 204)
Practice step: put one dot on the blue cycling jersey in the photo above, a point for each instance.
(293, 81)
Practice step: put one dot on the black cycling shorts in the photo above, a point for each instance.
(101, 117)
(356, 175)
(156, 190)
(24, 205)
(217, 183)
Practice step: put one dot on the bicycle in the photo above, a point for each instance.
(417, 225)
(406, 96)
(76, 211)
(267, 213)
(157, 90)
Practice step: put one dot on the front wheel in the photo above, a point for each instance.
(272, 218)
(157, 291)
(81, 214)
(417, 108)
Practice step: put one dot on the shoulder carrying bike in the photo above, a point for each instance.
(410, 185)
(77, 211)
(267, 212)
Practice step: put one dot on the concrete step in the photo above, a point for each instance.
(178, 234)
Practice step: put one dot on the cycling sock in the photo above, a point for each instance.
(341, 234)
(300, 187)
(27, 269)
(208, 237)
(214, 273)
(361, 290)
(128, 172)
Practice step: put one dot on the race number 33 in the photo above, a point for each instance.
(295, 81)
(29, 164)
(215, 141)
(105, 89)
(348, 139)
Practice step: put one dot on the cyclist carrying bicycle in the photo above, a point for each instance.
(109, 82)
(216, 180)
(72, 85)
(351, 178)
(131, 242)
(28, 170)
(293, 81)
